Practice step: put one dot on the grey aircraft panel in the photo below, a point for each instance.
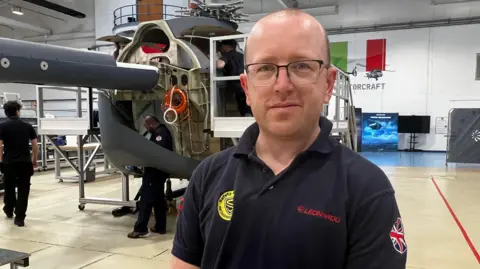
(124, 146)
(42, 64)
(202, 58)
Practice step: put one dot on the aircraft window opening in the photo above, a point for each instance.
(157, 37)
(173, 81)
(184, 80)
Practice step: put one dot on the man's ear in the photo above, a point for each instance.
(331, 77)
(244, 83)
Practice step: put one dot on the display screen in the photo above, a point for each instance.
(414, 124)
(379, 132)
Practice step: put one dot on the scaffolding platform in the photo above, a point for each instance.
(63, 126)
(81, 127)
(231, 127)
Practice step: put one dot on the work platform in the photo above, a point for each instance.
(81, 127)
(231, 127)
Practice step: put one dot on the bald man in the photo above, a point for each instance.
(288, 195)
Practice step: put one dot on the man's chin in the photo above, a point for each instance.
(282, 128)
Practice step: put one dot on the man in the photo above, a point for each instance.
(116, 53)
(232, 63)
(16, 162)
(288, 195)
(152, 192)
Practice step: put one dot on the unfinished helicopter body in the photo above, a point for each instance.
(179, 49)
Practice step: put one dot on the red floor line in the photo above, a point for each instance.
(459, 224)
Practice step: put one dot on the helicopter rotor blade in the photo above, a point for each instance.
(42, 64)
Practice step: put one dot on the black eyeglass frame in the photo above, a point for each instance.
(321, 62)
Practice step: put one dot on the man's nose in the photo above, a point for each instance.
(283, 81)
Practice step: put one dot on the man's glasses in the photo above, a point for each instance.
(300, 72)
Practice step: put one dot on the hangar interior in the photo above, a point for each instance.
(407, 98)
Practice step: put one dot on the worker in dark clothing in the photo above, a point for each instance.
(16, 162)
(116, 53)
(152, 191)
(288, 195)
(233, 65)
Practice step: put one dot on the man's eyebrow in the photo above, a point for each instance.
(264, 59)
(273, 59)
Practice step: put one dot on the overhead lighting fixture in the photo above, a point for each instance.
(17, 11)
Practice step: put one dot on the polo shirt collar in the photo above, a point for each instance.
(323, 144)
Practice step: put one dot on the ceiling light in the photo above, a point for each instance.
(17, 11)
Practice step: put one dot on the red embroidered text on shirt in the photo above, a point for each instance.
(316, 213)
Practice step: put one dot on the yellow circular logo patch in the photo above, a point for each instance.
(225, 205)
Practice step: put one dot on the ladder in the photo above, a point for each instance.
(341, 111)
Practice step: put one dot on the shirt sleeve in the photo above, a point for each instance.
(377, 235)
(229, 67)
(224, 59)
(161, 137)
(188, 244)
(32, 133)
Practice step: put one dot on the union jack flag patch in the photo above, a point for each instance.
(397, 236)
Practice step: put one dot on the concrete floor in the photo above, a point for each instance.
(58, 235)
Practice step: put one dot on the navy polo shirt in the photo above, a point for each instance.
(330, 209)
(162, 137)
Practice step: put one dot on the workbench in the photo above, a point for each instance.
(14, 258)
(71, 148)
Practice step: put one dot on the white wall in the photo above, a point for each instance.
(59, 24)
(104, 15)
(170, 11)
(432, 67)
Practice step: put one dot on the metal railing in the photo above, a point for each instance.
(130, 13)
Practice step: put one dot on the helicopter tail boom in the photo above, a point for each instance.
(41, 64)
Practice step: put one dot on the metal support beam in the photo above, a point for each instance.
(81, 170)
(447, 2)
(404, 25)
(92, 155)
